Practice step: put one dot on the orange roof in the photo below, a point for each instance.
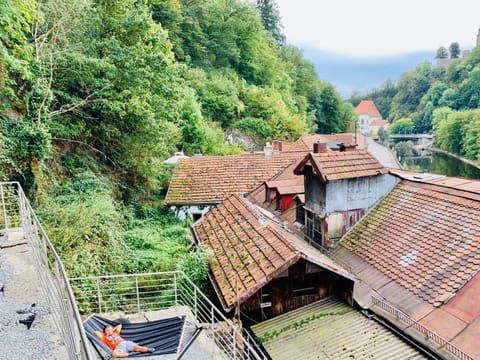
(379, 123)
(305, 143)
(420, 250)
(335, 165)
(249, 249)
(210, 179)
(367, 107)
(469, 186)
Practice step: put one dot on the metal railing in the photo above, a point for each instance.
(429, 335)
(141, 293)
(17, 214)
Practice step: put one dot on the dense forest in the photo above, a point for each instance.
(95, 95)
(440, 100)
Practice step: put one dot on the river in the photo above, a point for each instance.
(443, 164)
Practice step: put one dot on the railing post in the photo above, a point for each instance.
(212, 320)
(175, 288)
(99, 296)
(195, 303)
(234, 342)
(2, 193)
(138, 294)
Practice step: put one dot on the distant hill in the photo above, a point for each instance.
(361, 73)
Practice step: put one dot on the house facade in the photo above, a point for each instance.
(198, 184)
(367, 112)
(416, 256)
(340, 187)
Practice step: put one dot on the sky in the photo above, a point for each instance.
(364, 28)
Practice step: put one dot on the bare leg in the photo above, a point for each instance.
(119, 354)
(139, 348)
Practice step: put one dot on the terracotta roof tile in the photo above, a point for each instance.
(335, 165)
(367, 107)
(423, 238)
(305, 143)
(210, 179)
(249, 249)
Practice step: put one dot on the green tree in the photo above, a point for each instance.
(328, 115)
(454, 50)
(411, 87)
(442, 53)
(402, 126)
(383, 135)
(270, 16)
(404, 150)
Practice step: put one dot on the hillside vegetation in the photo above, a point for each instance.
(94, 95)
(445, 101)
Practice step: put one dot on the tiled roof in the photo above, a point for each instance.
(454, 183)
(424, 238)
(305, 143)
(379, 123)
(330, 329)
(210, 179)
(367, 107)
(334, 165)
(420, 250)
(249, 249)
(293, 186)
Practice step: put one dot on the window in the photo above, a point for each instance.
(196, 216)
(313, 227)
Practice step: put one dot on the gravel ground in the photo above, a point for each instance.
(22, 288)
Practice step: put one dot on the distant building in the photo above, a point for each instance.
(375, 125)
(443, 63)
(367, 113)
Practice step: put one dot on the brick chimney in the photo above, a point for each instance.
(320, 147)
(267, 150)
(347, 147)
(277, 146)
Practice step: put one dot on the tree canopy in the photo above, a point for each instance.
(94, 95)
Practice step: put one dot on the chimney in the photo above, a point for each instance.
(320, 147)
(277, 146)
(267, 150)
(197, 154)
(347, 147)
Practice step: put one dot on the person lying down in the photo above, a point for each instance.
(120, 347)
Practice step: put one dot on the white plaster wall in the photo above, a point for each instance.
(336, 224)
(360, 193)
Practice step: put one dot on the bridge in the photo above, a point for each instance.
(421, 142)
(68, 301)
(417, 139)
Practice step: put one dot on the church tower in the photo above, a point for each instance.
(478, 37)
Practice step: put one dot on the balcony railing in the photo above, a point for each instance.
(141, 293)
(429, 335)
(123, 293)
(18, 215)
